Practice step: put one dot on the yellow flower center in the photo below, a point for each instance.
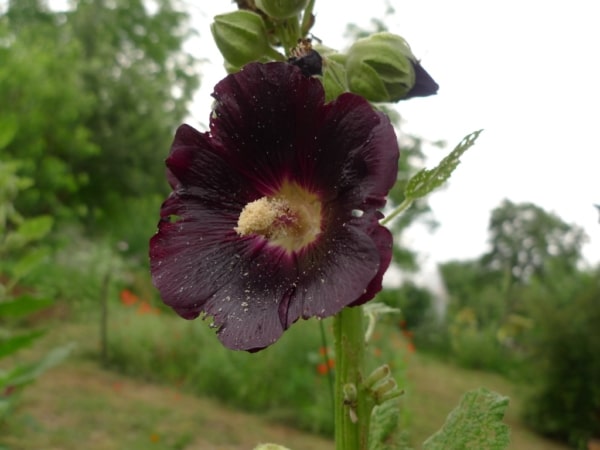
(290, 219)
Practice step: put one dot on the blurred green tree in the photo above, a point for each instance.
(44, 101)
(97, 92)
(529, 246)
(527, 241)
(563, 355)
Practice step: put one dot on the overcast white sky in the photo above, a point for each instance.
(525, 71)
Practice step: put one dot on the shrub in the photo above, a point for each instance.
(21, 254)
(565, 360)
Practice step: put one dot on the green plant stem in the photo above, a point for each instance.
(326, 361)
(104, 318)
(351, 418)
(400, 208)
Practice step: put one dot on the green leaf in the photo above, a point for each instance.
(426, 180)
(8, 129)
(26, 373)
(475, 424)
(35, 228)
(23, 305)
(29, 262)
(15, 343)
(384, 430)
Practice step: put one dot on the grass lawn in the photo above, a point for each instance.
(81, 405)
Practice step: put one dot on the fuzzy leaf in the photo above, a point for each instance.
(384, 430)
(426, 180)
(476, 423)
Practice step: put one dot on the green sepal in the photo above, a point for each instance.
(334, 79)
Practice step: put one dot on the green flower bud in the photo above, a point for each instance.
(384, 386)
(281, 9)
(378, 375)
(380, 68)
(389, 395)
(241, 37)
(350, 393)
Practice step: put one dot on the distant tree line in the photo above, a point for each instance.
(528, 308)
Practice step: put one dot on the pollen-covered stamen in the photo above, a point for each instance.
(290, 219)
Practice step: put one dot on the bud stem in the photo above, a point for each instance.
(399, 209)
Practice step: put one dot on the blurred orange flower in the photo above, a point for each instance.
(322, 369)
(128, 298)
(146, 308)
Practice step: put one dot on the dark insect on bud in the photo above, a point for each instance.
(308, 60)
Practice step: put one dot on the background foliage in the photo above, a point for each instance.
(94, 115)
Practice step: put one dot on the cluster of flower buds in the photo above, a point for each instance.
(380, 67)
(382, 385)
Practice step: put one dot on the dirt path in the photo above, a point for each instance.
(79, 405)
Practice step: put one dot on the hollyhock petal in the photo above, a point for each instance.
(361, 150)
(274, 212)
(383, 241)
(266, 136)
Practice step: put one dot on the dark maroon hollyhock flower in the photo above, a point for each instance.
(274, 212)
